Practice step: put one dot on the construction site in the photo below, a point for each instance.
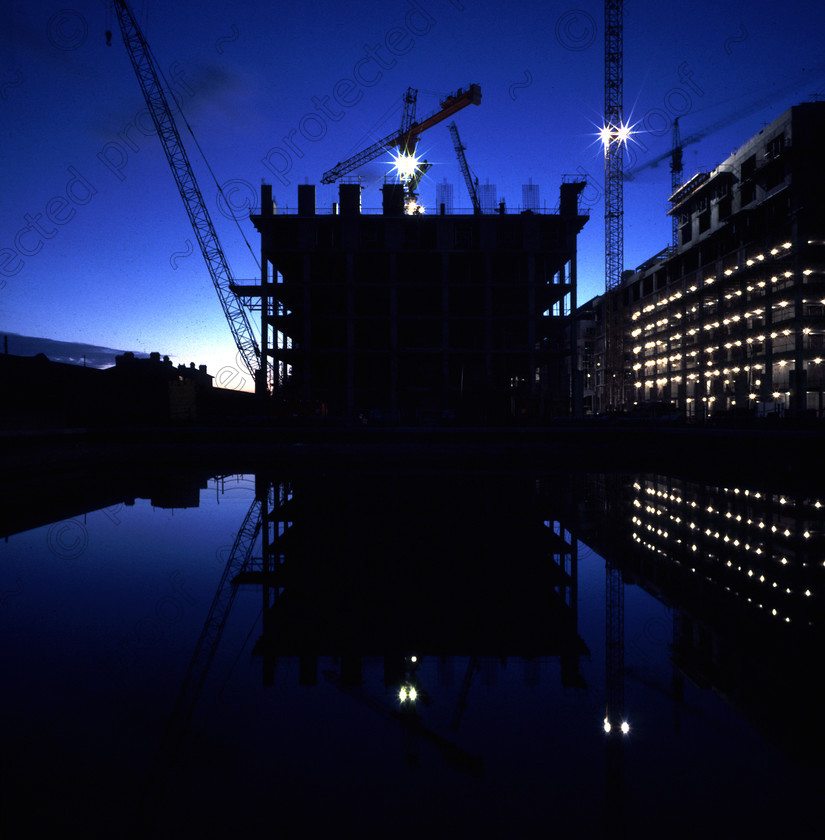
(390, 592)
(411, 318)
(401, 316)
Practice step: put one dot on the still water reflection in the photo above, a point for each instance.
(411, 652)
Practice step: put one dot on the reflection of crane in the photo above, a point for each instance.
(145, 68)
(407, 138)
(411, 725)
(676, 170)
(204, 652)
(472, 186)
(472, 667)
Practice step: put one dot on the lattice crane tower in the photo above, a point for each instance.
(614, 135)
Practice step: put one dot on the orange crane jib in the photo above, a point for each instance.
(407, 139)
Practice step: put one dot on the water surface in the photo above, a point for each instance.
(481, 593)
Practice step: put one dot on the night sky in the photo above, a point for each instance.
(95, 244)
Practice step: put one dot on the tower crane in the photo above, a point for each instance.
(616, 132)
(146, 70)
(407, 138)
(472, 186)
(676, 170)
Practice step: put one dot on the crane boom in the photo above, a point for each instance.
(144, 65)
(465, 169)
(409, 137)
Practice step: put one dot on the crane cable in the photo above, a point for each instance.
(177, 102)
(208, 167)
(371, 135)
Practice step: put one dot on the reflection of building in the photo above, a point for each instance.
(359, 564)
(733, 319)
(39, 500)
(743, 570)
(412, 318)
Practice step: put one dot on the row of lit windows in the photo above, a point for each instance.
(780, 307)
(781, 251)
(728, 345)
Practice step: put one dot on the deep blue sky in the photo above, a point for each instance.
(112, 268)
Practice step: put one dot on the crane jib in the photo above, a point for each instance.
(144, 67)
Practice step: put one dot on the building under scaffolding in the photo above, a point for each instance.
(418, 318)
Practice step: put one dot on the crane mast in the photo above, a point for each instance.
(614, 721)
(145, 69)
(676, 170)
(465, 169)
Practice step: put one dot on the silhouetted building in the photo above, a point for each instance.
(154, 389)
(418, 318)
(733, 318)
(36, 393)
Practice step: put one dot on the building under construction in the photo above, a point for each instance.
(397, 318)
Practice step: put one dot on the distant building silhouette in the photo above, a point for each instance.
(36, 393)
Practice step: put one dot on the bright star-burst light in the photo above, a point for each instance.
(610, 134)
(404, 165)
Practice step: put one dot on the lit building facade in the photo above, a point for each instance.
(732, 319)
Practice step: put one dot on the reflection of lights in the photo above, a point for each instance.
(608, 728)
(407, 692)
